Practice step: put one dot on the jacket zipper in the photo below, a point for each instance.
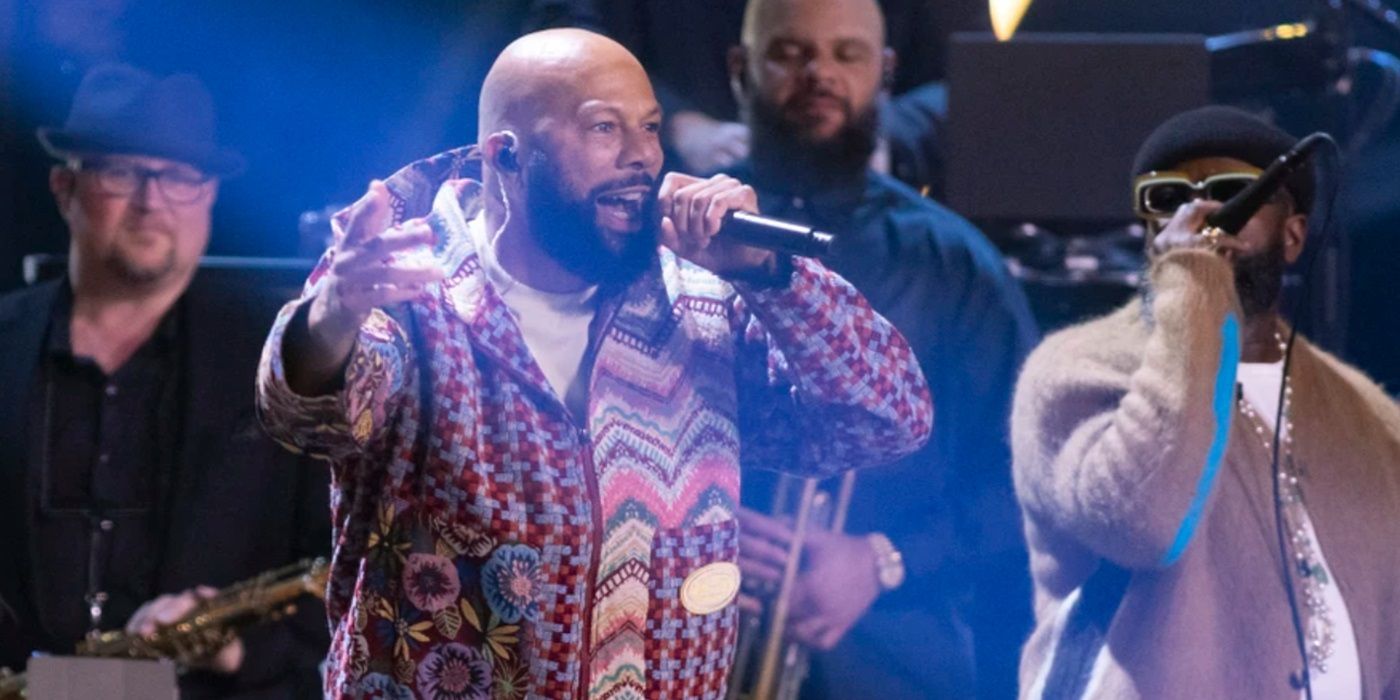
(594, 562)
(596, 331)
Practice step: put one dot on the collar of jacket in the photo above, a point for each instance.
(446, 191)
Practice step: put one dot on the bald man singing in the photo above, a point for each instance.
(534, 374)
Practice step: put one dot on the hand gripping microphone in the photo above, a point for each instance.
(1232, 217)
(775, 234)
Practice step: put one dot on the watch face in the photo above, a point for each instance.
(891, 575)
(889, 565)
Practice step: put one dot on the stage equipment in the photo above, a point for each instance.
(1043, 128)
(81, 678)
(1006, 16)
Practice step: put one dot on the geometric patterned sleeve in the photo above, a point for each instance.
(337, 426)
(825, 383)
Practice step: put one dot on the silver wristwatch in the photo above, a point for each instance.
(889, 563)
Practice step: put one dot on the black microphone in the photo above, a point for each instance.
(775, 234)
(1237, 212)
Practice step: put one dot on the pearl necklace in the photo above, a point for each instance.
(1308, 569)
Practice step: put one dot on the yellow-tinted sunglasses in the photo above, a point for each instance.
(1158, 194)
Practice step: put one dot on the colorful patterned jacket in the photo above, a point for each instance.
(488, 546)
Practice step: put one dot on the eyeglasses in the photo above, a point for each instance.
(1159, 194)
(180, 185)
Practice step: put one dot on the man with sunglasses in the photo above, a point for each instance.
(1143, 452)
(133, 477)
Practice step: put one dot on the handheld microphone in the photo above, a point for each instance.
(775, 234)
(1232, 217)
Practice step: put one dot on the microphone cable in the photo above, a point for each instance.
(1326, 175)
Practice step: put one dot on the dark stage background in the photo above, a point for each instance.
(321, 96)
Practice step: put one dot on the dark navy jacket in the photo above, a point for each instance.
(240, 504)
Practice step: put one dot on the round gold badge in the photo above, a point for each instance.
(710, 588)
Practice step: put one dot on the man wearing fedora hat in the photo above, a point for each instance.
(133, 478)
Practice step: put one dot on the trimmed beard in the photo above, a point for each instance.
(780, 146)
(127, 270)
(1259, 279)
(567, 229)
(1258, 282)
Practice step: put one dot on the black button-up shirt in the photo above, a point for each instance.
(102, 447)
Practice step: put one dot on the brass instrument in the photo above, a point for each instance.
(11, 685)
(267, 597)
(767, 665)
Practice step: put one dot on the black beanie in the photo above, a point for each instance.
(1222, 132)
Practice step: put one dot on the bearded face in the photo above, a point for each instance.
(607, 235)
(1259, 278)
(782, 134)
(127, 225)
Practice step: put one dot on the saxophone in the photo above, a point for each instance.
(267, 597)
(12, 685)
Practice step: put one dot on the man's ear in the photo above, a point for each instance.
(889, 61)
(738, 61)
(1295, 236)
(501, 151)
(63, 183)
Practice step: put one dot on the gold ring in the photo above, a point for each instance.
(1211, 235)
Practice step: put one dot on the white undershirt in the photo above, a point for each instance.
(555, 325)
(1260, 382)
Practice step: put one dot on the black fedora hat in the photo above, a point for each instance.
(121, 109)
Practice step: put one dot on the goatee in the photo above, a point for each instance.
(138, 274)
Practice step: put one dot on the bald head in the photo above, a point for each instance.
(569, 136)
(765, 19)
(546, 75)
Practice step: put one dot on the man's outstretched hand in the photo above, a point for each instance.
(373, 265)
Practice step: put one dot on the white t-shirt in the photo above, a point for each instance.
(555, 325)
(1260, 382)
